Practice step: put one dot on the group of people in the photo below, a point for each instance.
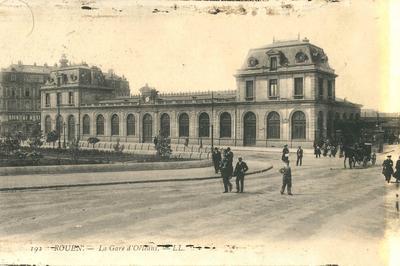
(326, 149)
(388, 170)
(224, 165)
(299, 155)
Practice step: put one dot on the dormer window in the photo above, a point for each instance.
(273, 65)
(252, 62)
(301, 57)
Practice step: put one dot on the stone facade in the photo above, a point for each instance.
(20, 97)
(285, 95)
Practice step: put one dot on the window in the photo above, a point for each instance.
(249, 90)
(13, 77)
(71, 128)
(130, 125)
(298, 88)
(225, 124)
(273, 126)
(27, 93)
(165, 125)
(298, 125)
(273, 65)
(58, 98)
(115, 125)
(86, 125)
(13, 92)
(204, 125)
(59, 124)
(320, 88)
(47, 124)
(70, 97)
(100, 125)
(47, 99)
(330, 89)
(273, 89)
(184, 125)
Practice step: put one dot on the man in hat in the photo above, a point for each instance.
(387, 170)
(240, 169)
(229, 156)
(299, 154)
(397, 173)
(216, 157)
(226, 174)
(286, 178)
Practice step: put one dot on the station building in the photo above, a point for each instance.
(285, 94)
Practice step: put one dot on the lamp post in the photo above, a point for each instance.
(212, 120)
(64, 145)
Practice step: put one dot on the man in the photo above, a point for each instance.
(286, 178)
(229, 156)
(240, 169)
(299, 154)
(284, 152)
(216, 157)
(387, 170)
(225, 174)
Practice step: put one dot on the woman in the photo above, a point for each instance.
(397, 173)
(387, 170)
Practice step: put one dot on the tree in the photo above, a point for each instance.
(52, 136)
(163, 148)
(93, 141)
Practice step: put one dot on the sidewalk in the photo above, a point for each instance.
(115, 178)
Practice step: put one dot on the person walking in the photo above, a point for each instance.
(229, 156)
(284, 152)
(226, 175)
(299, 154)
(317, 152)
(286, 178)
(240, 169)
(387, 170)
(216, 157)
(397, 173)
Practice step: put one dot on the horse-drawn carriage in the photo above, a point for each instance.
(360, 154)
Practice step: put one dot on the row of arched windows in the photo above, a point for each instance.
(298, 124)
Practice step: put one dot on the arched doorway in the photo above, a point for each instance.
(249, 134)
(147, 128)
(165, 125)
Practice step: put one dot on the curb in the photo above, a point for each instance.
(126, 182)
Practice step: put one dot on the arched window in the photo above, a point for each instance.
(250, 129)
(184, 125)
(147, 128)
(351, 116)
(115, 125)
(204, 125)
(357, 116)
(225, 124)
(130, 125)
(165, 125)
(86, 125)
(344, 116)
(47, 124)
(273, 126)
(298, 125)
(100, 125)
(71, 128)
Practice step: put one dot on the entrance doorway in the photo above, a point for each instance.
(147, 128)
(249, 134)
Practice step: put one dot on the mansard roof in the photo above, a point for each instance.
(292, 55)
(33, 69)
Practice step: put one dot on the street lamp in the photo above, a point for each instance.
(64, 145)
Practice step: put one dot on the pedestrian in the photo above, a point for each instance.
(333, 150)
(286, 178)
(225, 174)
(387, 170)
(284, 152)
(216, 157)
(155, 141)
(397, 173)
(299, 154)
(240, 169)
(317, 152)
(229, 155)
(397, 202)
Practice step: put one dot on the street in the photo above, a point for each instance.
(332, 210)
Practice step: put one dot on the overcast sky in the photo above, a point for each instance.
(190, 50)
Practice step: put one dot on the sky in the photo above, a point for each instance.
(188, 49)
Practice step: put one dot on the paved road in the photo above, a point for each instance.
(333, 210)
